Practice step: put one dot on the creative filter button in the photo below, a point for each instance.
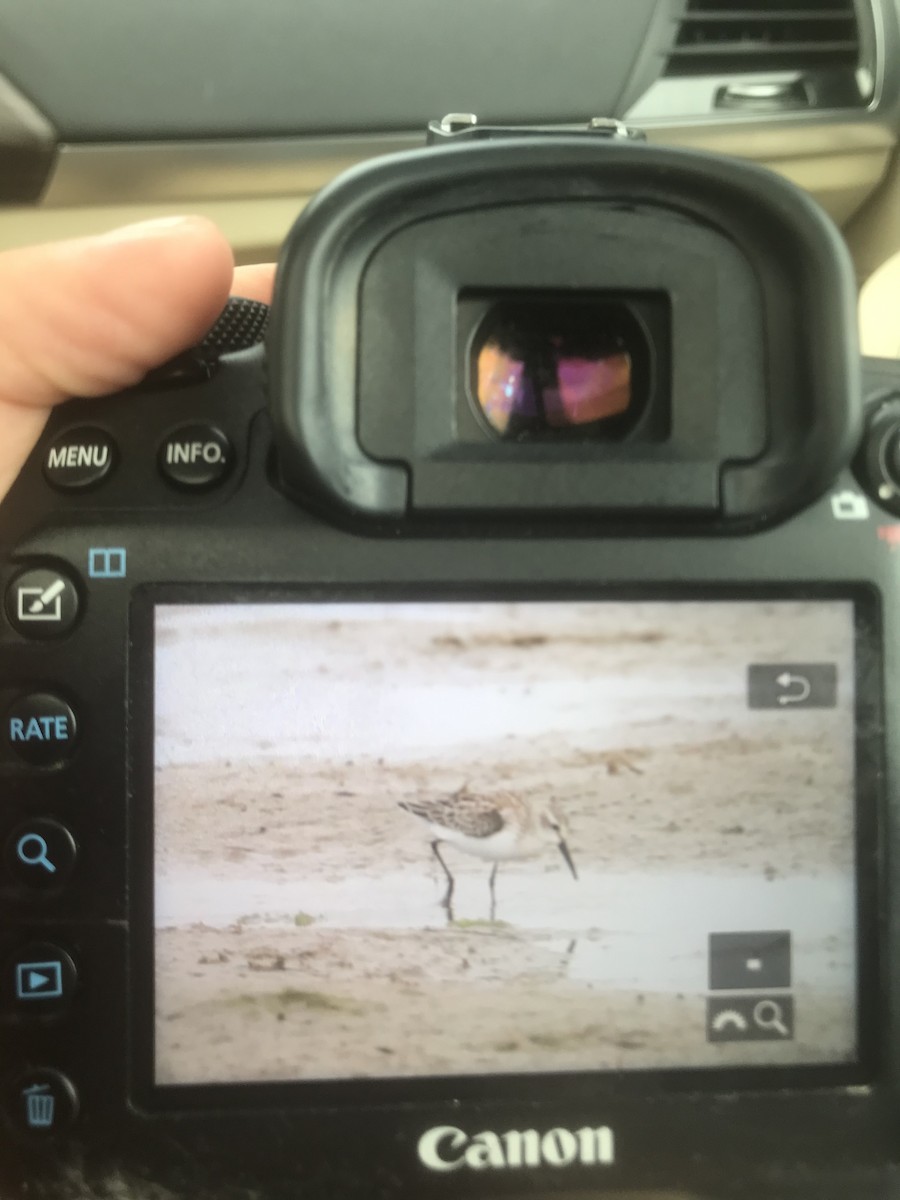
(42, 603)
(195, 457)
(41, 728)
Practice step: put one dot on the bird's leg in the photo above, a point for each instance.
(491, 884)
(447, 902)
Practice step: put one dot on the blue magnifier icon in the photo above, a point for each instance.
(31, 849)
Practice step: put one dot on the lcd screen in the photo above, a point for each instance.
(462, 838)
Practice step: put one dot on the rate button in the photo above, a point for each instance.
(41, 729)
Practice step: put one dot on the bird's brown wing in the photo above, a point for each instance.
(477, 820)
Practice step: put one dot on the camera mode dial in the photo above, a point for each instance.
(879, 462)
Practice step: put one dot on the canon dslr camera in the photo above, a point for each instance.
(445, 750)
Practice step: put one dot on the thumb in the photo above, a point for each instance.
(90, 316)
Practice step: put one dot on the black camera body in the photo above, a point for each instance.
(447, 751)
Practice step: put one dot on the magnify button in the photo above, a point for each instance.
(33, 851)
(769, 1016)
(40, 854)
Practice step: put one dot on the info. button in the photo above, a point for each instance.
(195, 457)
(792, 685)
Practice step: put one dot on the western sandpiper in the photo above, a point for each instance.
(495, 827)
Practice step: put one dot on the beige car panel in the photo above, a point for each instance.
(255, 189)
(879, 311)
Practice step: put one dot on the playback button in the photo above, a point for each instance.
(39, 980)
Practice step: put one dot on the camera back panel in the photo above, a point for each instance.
(344, 856)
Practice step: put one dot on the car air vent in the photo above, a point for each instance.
(734, 37)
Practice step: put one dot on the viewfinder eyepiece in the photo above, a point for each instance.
(556, 368)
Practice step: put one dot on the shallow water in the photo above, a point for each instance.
(630, 930)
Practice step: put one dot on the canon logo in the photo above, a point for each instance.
(446, 1148)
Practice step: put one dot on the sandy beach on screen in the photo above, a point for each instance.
(299, 926)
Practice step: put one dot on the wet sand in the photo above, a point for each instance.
(281, 1005)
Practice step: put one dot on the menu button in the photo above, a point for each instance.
(79, 459)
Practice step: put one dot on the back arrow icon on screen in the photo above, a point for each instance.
(786, 680)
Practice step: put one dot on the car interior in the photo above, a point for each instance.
(112, 113)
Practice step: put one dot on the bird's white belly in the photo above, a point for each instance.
(505, 844)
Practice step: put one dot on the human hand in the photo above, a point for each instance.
(93, 315)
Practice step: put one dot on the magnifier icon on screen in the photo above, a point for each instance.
(32, 849)
(769, 1015)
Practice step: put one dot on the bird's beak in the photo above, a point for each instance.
(564, 851)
